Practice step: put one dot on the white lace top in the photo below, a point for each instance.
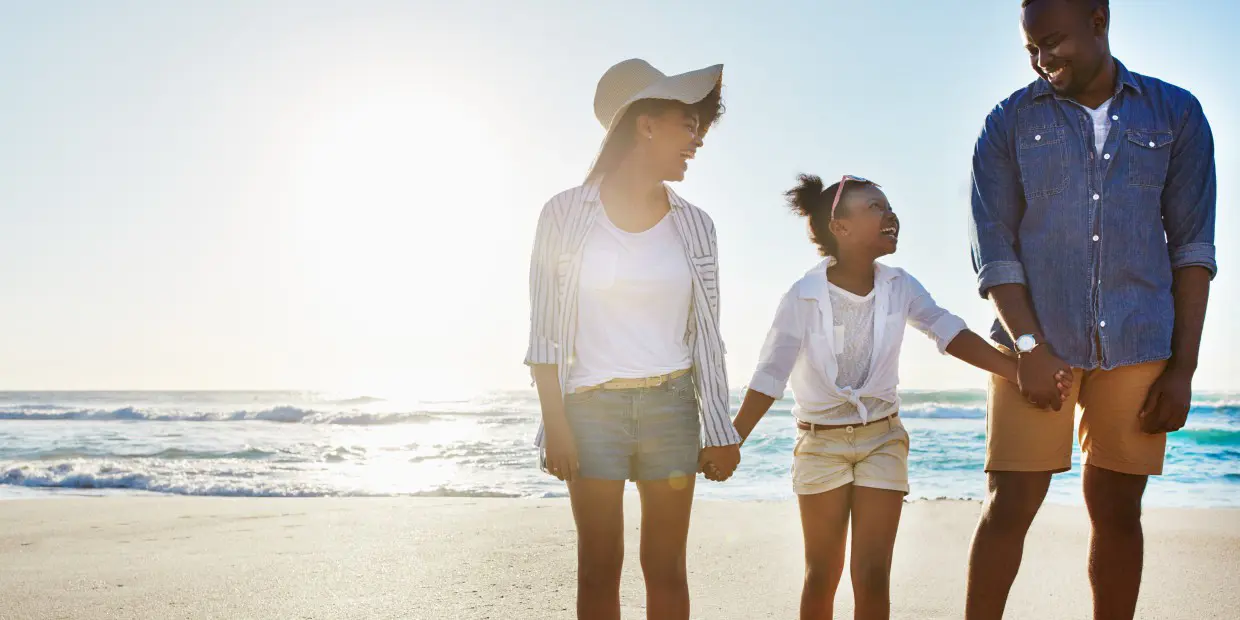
(854, 347)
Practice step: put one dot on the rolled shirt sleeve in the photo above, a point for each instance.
(928, 318)
(1190, 194)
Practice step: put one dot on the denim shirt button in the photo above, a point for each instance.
(1038, 137)
(1115, 117)
(1096, 196)
(1107, 156)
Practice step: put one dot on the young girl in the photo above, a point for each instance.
(836, 338)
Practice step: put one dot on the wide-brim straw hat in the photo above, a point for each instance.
(635, 79)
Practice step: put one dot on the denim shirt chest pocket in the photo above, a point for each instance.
(1041, 152)
(1149, 155)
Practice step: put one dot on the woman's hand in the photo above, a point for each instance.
(719, 462)
(559, 447)
(561, 451)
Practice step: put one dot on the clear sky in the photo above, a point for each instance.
(343, 195)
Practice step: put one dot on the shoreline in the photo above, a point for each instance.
(17, 493)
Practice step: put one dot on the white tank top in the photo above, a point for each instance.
(633, 305)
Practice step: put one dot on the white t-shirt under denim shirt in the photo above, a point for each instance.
(1102, 124)
(633, 305)
(803, 346)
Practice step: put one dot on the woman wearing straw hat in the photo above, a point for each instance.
(624, 340)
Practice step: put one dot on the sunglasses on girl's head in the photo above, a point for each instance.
(839, 189)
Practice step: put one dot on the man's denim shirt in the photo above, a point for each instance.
(1095, 238)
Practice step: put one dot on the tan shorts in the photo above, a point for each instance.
(1021, 437)
(875, 456)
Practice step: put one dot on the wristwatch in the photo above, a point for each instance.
(1027, 343)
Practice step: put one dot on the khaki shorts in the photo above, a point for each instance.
(875, 456)
(1021, 437)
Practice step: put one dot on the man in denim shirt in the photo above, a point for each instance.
(1093, 234)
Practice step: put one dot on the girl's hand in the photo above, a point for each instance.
(1063, 380)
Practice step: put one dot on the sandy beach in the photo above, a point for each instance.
(160, 557)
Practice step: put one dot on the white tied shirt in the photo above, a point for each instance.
(803, 346)
(633, 304)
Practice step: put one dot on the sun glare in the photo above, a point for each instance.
(386, 247)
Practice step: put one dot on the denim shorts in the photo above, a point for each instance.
(637, 434)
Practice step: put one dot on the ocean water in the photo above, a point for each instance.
(304, 444)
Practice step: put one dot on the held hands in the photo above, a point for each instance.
(719, 462)
(1044, 379)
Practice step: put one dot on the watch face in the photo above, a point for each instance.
(1025, 343)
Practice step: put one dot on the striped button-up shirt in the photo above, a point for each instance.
(555, 271)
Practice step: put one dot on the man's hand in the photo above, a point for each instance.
(719, 462)
(1166, 407)
(1009, 372)
(1040, 378)
(561, 451)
